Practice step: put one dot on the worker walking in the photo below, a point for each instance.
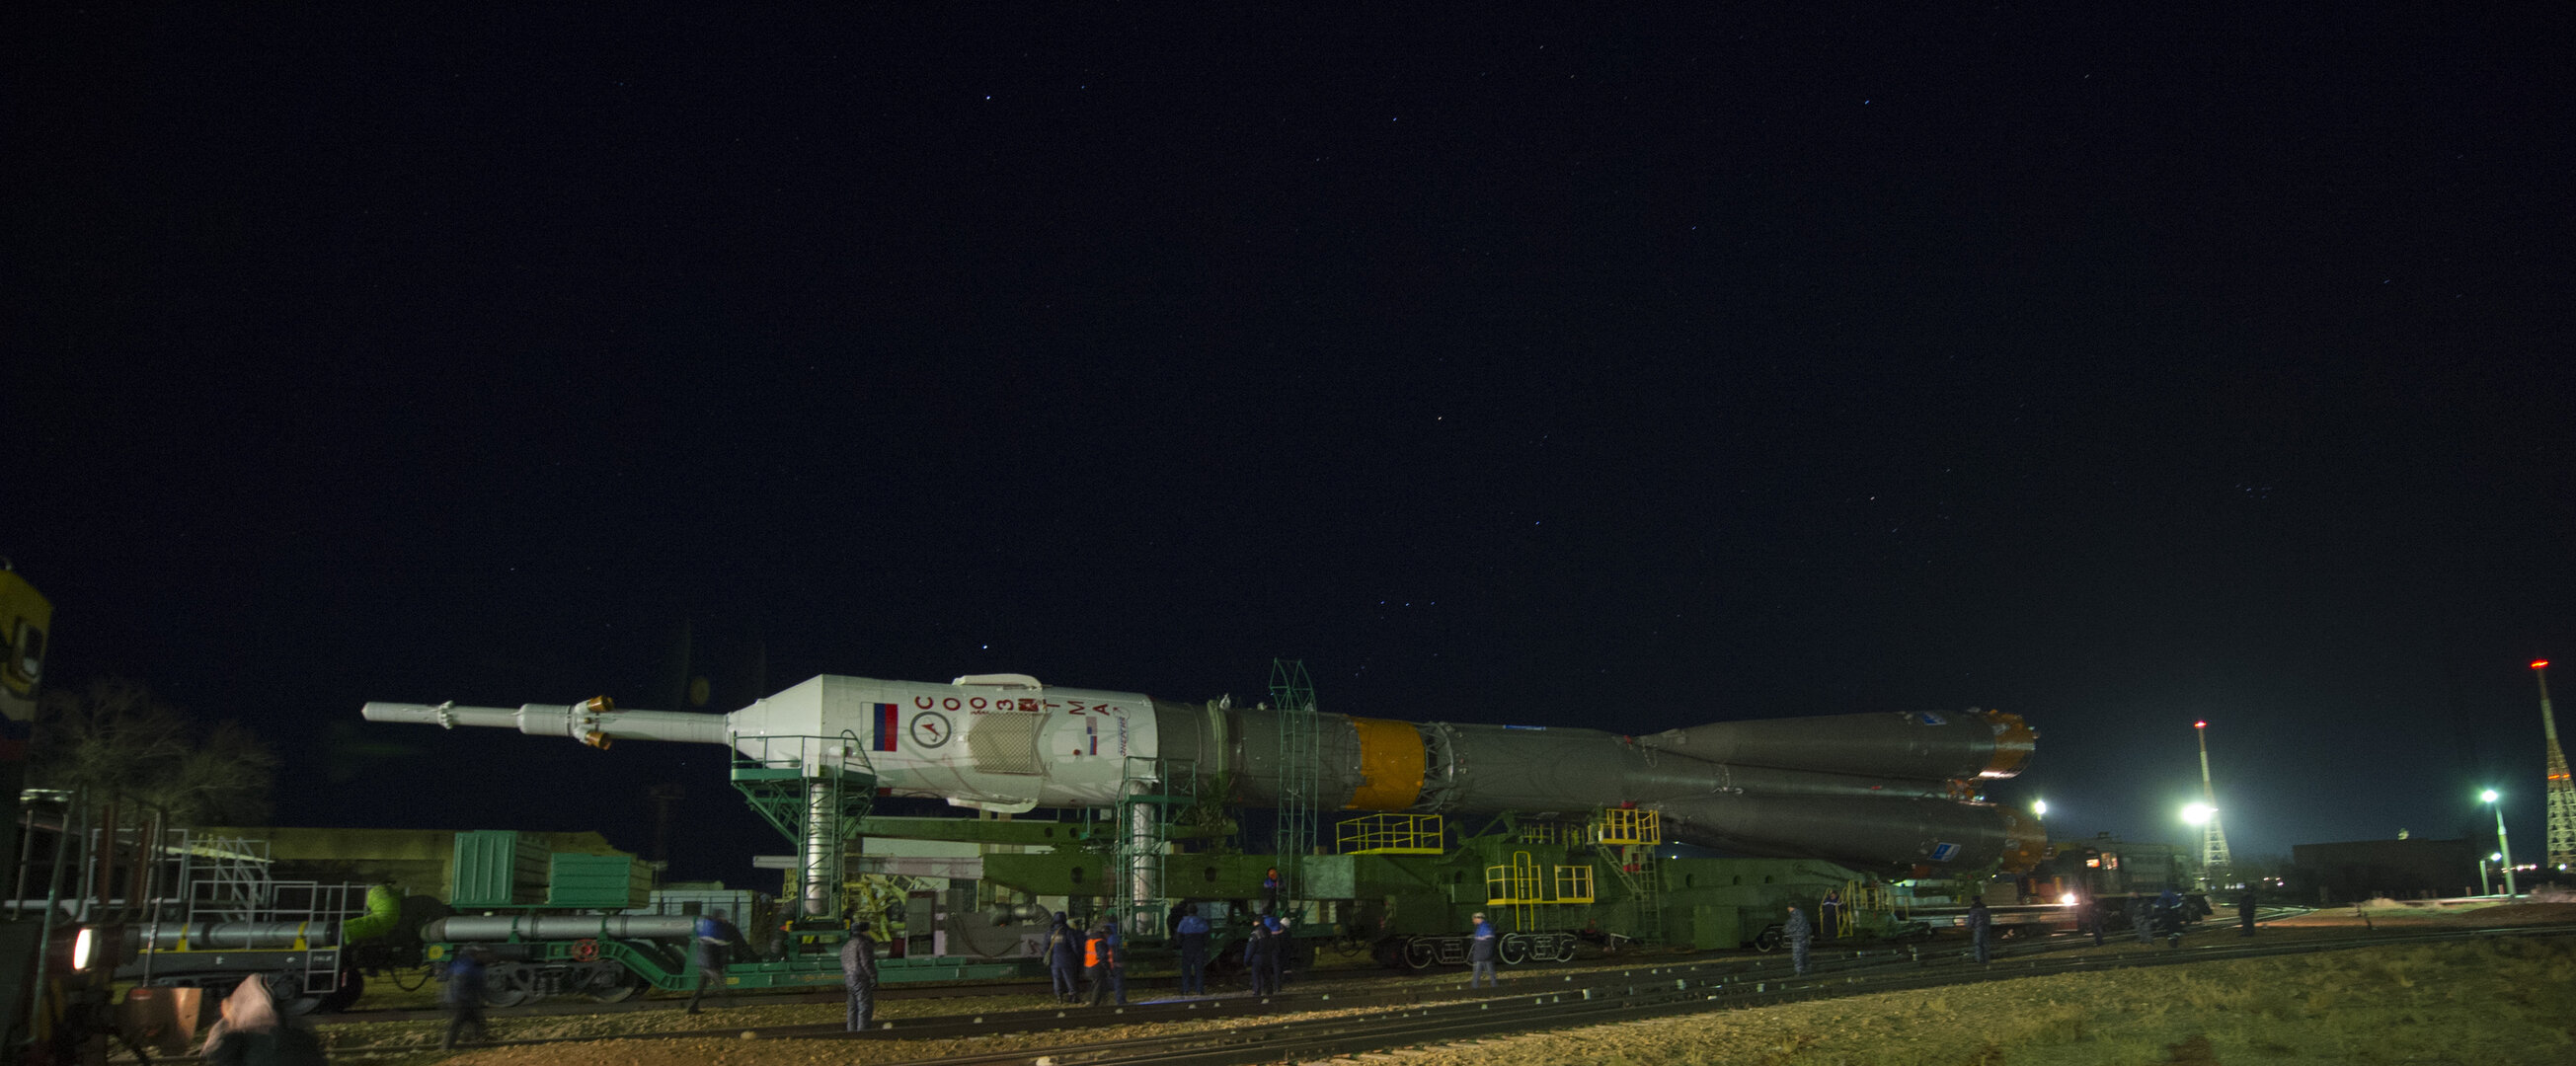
(1800, 936)
(2090, 913)
(2169, 916)
(2245, 912)
(859, 976)
(1829, 915)
(715, 937)
(2139, 921)
(1480, 954)
(1256, 957)
(1192, 935)
(464, 996)
(1061, 951)
(1981, 931)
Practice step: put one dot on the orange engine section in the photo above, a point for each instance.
(2026, 842)
(1390, 765)
(2014, 740)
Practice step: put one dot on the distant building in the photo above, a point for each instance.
(2369, 869)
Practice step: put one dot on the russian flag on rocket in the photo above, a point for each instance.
(885, 726)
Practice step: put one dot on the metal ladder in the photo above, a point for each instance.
(1300, 768)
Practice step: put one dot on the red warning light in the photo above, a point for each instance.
(2200, 725)
(2538, 663)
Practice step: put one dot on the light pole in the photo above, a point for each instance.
(2504, 844)
(2484, 887)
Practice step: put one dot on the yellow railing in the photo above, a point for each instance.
(1524, 883)
(1391, 834)
(1573, 884)
(1515, 883)
(1540, 833)
(1624, 825)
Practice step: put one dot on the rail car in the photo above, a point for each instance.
(1404, 888)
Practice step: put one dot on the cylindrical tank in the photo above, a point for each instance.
(1377, 764)
(469, 927)
(231, 936)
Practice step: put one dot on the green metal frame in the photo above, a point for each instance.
(794, 776)
(1300, 769)
(1143, 849)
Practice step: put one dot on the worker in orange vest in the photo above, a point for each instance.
(1104, 961)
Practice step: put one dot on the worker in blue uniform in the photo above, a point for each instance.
(1981, 931)
(1191, 932)
(1800, 936)
(1062, 947)
(713, 942)
(1480, 955)
(464, 997)
(1278, 957)
(2169, 915)
(859, 976)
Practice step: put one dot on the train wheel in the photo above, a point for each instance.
(1419, 953)
(352, 984)
(1565, 949)
(505, 984)
(1514, 950)
(1769, 940)
(625, 989)
(286, 991)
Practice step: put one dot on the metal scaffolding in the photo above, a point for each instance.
(1300, 761)
(814, 790)
(2562, 790)
(1155, 789)
(1635, 834)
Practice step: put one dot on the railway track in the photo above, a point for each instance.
(1421, 1015)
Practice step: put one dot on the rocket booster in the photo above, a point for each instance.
(1880, 789)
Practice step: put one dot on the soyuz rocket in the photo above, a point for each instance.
(1886, 789)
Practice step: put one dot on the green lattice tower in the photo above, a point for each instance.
(814, 790)
(2562, 788)
(1300, 758)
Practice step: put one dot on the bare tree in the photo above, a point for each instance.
(120, 743)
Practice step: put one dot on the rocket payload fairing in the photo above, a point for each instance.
(1883, 789)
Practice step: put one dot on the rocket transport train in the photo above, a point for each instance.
(1886, 789)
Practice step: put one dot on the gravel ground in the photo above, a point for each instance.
(1894, 1028)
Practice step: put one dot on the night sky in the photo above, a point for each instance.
(1609, 371)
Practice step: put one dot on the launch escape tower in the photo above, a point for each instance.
(2562, 791)
(2213, 841)
(1300, 769)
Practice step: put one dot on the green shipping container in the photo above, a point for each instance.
(496, 868)
(615, 882)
